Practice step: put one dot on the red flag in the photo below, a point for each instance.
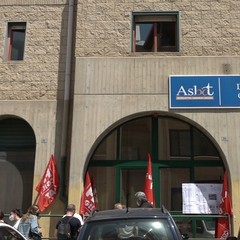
(225, 205)
(225, 208)
(87, 204)
(48, 186)
(148, 188)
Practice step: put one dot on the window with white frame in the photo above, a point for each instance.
(155, 32)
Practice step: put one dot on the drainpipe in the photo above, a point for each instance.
(66, 103)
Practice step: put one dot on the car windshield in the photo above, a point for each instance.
(9, 233)
(149, 229)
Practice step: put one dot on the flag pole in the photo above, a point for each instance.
(230, 225)
(36, 198)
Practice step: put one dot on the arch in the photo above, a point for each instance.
(153, 113)
(17, 151)
(197, 150)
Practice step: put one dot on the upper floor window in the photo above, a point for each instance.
(155, 32)
(16, 40)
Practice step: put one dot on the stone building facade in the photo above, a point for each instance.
(32, 93)
(80, 78)
(207, 28)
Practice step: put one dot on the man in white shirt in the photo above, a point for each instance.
(76, 215)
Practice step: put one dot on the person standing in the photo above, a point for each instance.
(28, 225)
(142, 201)
(73, 222)
(76, 215)
(15, 215)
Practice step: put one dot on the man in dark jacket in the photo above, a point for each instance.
(142, 201)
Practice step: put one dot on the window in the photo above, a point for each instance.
(155, 32)
(16, 40)
(180, 152)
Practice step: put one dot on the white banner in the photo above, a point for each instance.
(201, 198)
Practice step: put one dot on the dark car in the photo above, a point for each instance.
(130, 224)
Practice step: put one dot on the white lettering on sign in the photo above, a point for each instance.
(194, 92)
(238, 86)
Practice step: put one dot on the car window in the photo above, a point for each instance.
(210, 225)
(148, 229)
(7, 233)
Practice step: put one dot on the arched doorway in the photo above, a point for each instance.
(181, 153)
(17, 155)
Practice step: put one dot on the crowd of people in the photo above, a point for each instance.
(141, 201)
(28, 224)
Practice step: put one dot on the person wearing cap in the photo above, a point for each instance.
(142, 201)
(15, 216)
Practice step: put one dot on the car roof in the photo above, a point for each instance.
(129, 213)
(3, 224)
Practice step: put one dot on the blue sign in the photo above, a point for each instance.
(206, 91)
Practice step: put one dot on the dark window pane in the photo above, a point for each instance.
(135, 139)
(17, 42)
(171, 180)
(104, 186)
(166, 36)
(203, 147)
(107, 148)
(132, 180)
(180, 143)
(169, 139)
(201, 174)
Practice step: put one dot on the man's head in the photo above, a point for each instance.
(71, 208)
(118, 206)
(140, 198)
(15, 214)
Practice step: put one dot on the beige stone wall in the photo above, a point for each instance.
(33, 89)
(41, 115)
(40, 75)
(207, 27)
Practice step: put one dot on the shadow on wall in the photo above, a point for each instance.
(11, 187)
